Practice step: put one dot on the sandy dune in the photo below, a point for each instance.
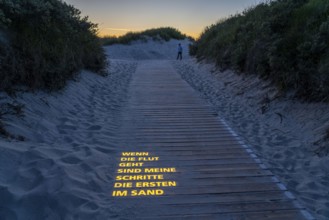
(279, 128)
(64, 170)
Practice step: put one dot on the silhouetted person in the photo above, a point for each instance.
(180, 52)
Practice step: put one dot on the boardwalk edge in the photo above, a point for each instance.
(280, 185)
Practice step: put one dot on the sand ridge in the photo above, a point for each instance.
(280, 129)
(64, 170)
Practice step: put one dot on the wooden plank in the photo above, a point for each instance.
(245, 179)
(262, 215)
(214, 198)
(215, 176)
(213, 208)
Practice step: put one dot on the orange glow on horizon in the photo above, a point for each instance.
(191, 17)
(117, 32)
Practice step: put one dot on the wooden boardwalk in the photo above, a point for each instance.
(212, 174)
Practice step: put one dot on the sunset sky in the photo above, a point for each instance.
(117, 17)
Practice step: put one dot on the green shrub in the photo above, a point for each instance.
(284, 40)
(43, 43)
(165, 33)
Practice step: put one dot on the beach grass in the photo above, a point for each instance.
(157, 34)
(283, 41)
(45, 43)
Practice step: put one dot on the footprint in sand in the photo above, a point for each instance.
(68, 140)
(104, 150)
(277, 156)
(95, 128)
(87, 151)
(86, 168)
(28, 179)
(60, 131)
(71, 160)
(90, 206)
(65, 129)
(44, 163)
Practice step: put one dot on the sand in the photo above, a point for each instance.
(62, 170)
(65, 168)
(281, 130)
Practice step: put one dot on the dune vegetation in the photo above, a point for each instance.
(285, 41)
(43, 43)
(164, 33)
